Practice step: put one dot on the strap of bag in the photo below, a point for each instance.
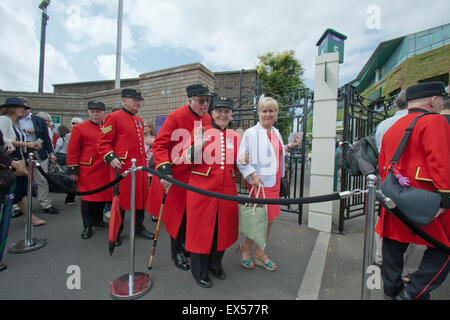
(402, 145)
(257, 195)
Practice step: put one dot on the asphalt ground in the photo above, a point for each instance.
(47, 273)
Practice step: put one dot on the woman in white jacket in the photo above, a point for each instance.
(263, 150)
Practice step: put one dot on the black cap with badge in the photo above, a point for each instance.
(222, 102)
(131, 93)
(96, 105)
(197, 89)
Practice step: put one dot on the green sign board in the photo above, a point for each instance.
(332, 41)
(56, 120)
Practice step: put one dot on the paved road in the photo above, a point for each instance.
(42, 274)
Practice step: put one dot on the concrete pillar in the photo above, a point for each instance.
(324, 139)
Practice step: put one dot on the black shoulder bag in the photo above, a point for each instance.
(419, 205)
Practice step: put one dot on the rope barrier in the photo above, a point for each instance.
(79, 193)
(313, 199)
(305, 200)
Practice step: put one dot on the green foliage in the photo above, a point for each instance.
(281, 73)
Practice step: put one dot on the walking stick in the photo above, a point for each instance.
(155, 239)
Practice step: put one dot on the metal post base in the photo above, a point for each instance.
(120, 288)
(27, 245)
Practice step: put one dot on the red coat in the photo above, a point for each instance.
(426, 162)
(84, 161)
(123, 137)
(215, 174)
(167, 149)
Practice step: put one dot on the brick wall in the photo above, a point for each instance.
(228, 84)
(92, 86)
(163, 91)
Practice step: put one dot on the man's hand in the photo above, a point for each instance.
(30, 130)
(116, 163)
(34, 145)
(74, 177)
(166, 184)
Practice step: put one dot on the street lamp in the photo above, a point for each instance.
(43, 6)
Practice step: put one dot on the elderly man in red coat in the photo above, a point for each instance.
(122, 139)
(167, 154)
(87, 168)
(426, 162)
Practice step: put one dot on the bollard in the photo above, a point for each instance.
(132, 285)
(369, 235)
(30, 243)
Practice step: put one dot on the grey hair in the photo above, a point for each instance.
(400, 101)
(76, 119)
(44, 115)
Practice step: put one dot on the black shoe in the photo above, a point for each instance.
(3, 267)
(86, 234)
(181, 262)
(403, 295)
(218, 274)
(155, 219)
(145, 234)
(51, 210)
(17, 213)
(205, 283)
(101, 224)
(118, 242)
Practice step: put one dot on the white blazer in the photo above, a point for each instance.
(263, 161)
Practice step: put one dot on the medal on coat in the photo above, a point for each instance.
(230, 144)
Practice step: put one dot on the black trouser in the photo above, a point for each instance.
(177, 245)
(139, 222)
(200, 263)
(69, 198)
(91, 213)
(433, 270)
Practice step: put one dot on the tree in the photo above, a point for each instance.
(281, 73)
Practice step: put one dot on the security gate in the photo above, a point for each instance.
(292, 118)
(360, 120)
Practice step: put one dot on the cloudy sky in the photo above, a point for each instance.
(221, 34)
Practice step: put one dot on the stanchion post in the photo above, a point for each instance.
(30, 243)
(134, 284)
(369, 235)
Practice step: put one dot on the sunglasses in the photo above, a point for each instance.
(74, 123)
(202, 100)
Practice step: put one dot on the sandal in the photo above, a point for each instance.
(269, 266)
(247, 264)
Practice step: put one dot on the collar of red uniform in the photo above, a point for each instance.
(193, 112)
(215, 126)
(418, 111)
(127, 111)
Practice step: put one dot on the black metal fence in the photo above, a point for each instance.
(292, 117)
(360, 120)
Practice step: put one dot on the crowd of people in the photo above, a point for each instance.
(196, 146)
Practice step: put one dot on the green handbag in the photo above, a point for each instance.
(253, 220)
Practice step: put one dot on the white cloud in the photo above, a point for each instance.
(227, 35)
(95, 30)
(20, 51)
(230, 35)
(106, 66)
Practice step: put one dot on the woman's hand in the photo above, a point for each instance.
(244, 159)
(256, 180)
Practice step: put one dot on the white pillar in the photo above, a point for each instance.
(324, 139)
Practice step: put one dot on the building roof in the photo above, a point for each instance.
(376, 61)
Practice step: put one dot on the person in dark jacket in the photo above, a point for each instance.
(37, 131)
